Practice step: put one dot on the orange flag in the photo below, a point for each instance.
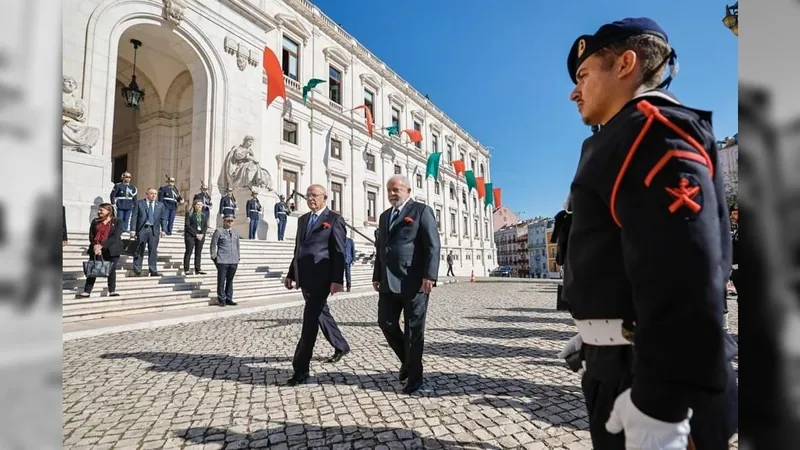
(413, 135)
(481, 187)
(275, 85)
(370, 123)
(459, 166)
(498, 199)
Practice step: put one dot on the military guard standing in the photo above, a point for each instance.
(253, 207)
(205, 197)
(281, 214)
(171, 198)
(123, 196)
(649, 251)
(227, 204)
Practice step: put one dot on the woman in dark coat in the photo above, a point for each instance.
(105, 240)
(194, 233)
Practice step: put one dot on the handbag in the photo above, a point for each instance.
(97, 267)
(130, 246)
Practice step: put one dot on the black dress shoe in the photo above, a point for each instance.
(337, 356)
(231, 303)
(298, 378)
(199, 272)
(412, 386)
(155, 274)
(403, 375)
(220, 302)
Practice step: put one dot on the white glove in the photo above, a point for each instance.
(572, 346)
(643, 432)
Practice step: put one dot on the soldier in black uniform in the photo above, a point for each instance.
(253, 208)
(227, 204)
(205, 197)
(649, 251)
(123, 196)
(171, 198)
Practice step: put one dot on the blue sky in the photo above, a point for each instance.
(516, 50)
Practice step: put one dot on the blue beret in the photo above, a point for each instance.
(610, 33)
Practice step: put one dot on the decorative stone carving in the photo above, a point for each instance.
(240, 169)
(174, 11)
(76, 135)
(244, 56)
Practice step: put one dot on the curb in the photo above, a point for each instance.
(288, 303)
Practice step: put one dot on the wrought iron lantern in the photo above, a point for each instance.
(133, 94)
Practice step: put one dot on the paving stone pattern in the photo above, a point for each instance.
(492, 381)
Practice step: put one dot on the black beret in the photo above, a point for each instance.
(610, 33)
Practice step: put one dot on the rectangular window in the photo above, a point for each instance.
(449, 152)
(289, 183)
(335, 85)
(291, 58)
(453, 223)
(486, 229)
(419, 181)
(462, 156)
(475, 227)
(466, 226)
(336, 149)
(464, 199)
(472, 164)
(372, 206)
(289, 132)
(397, 169)
(452, 193)
(370, 162)
(437, 188)
(369, 101)
(434, 143)
(396, 118)
(336, 198)
(438, 219)
(418, 127)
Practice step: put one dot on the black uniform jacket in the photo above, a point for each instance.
(650, 243)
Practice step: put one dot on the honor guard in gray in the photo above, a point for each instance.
(171, 198)
(227, 204)
(649, 251)
(123, 196)
(281, 214)
(253, 213)
(205, 197)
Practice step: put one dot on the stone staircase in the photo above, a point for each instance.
(260, 274)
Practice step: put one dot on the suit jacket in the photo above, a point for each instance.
(190, 227)
(319, 252)
(409, 251)
(139, 216)
(112, 246)
(349, 251)
(225, 246)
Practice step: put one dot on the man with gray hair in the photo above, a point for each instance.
(406, 268)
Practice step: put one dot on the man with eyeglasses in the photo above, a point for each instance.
(318, 270)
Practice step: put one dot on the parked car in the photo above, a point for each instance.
(502, 271)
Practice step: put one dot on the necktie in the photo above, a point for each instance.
(395, 214)
(150, 212)
(312, 221)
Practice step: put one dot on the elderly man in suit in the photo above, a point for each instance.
(406, 268)
(225, 252)
(148, 220)
(318, 269)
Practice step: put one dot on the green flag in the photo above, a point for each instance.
(489, 199)
(392, 130)
(312, 83)
(472, 183)
(432, 168)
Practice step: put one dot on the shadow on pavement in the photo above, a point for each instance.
(277, 323)
(484, 350)
(511, 333)
(532, 310)
(523, 319)
(298, 435)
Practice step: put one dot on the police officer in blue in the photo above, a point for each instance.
(649, 251)
(227, 204)
(281, 214)
(123, 196)
(254, 209)
(171, 198)
(205, 197)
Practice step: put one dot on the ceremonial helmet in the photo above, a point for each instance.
(125, 175)
(170, 179)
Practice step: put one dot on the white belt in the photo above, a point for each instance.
(255, 210)
(228, 207)
(735, 267)
(282, 212)
(602, 332)
(171, 199)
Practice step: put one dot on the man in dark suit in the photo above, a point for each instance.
(349, 257)
(148, 220)
(406, 268)
(317, 268)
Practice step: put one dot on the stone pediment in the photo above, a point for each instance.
(294, 25)
(333, 54)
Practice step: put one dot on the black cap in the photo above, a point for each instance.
(611, 33)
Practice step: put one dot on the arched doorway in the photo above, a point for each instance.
(161, 138)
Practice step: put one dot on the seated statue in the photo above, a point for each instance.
(76, 135)
(241, 170)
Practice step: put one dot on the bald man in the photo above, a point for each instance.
(318, 270)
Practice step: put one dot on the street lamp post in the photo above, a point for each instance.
(731, 19)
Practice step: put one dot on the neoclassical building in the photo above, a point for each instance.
(200, 67)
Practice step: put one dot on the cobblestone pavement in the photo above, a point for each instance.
(492, 381)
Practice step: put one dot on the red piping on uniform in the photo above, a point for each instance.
(652, 113)
(669, 155)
